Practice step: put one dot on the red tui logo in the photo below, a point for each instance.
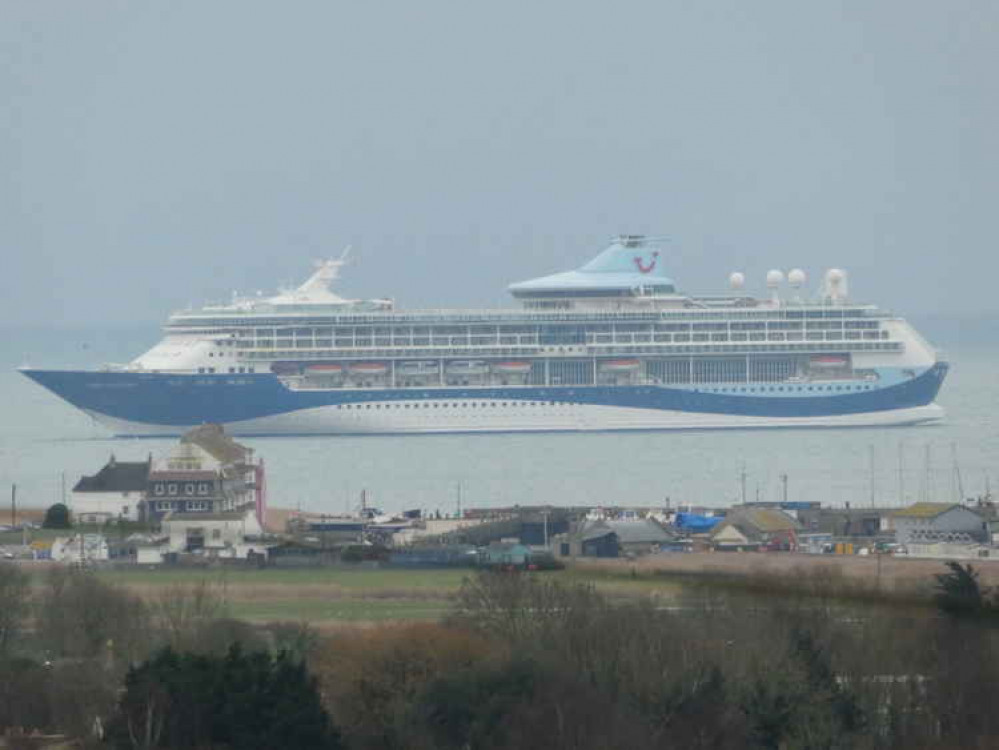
(642, 267)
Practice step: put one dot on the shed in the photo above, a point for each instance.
(938, 522)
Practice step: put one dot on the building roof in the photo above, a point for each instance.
(755, 521)
(639, 532)
(116, 476)
(212, 439)
(627, 532)
(927, 510)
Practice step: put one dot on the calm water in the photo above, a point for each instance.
(42, 439)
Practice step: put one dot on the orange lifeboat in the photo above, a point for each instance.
(368, 368)
(828, 361)
(620, 365)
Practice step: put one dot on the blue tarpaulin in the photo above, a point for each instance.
(694, 522)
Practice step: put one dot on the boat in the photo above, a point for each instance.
(620, 365)
(368, 368)
(512, 368)
(467, 367)
(829, 361)
(612, 345)
(418, 368)
(324, 369)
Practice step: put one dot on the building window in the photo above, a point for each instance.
(158, 489)
(164, 505)
(189, 488)
(172, 489)
(203, 488)
(197, 505)
(216, 533)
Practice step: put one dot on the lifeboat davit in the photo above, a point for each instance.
(512, 368)
(620, 365)
(368, 368)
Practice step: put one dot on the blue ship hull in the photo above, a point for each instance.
(261, 404)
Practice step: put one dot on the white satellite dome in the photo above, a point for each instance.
(796, 277)
(835, 275)
(775, 278)
(737, 280)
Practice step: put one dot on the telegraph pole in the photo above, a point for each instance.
(13, 505)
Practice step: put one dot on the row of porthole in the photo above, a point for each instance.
(455, 405)
(232, 370)
(797, 388)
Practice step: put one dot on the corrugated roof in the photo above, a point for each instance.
(116, 476)
(766, 520)
(925, 510)
(639, 532)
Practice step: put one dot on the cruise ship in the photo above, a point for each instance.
(612, 345)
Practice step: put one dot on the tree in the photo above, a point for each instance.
(57, 517)
(244, 701)
(15, 595)
(960, 594)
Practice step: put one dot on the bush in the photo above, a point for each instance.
(57, 517)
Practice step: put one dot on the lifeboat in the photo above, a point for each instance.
(512, 368)
(620, 365)
(828, 361)
(467, 367)
(324, 369)
(368, 368)
(417, 368)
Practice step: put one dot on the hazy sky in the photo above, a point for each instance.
(159, 153)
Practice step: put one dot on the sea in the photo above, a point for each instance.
(47, 445)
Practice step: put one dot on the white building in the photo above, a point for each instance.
(233, 534)
(113, 492)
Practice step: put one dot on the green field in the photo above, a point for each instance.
(315, 595)
(328, 596)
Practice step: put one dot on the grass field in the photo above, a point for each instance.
(321, 596)
(327, 597)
